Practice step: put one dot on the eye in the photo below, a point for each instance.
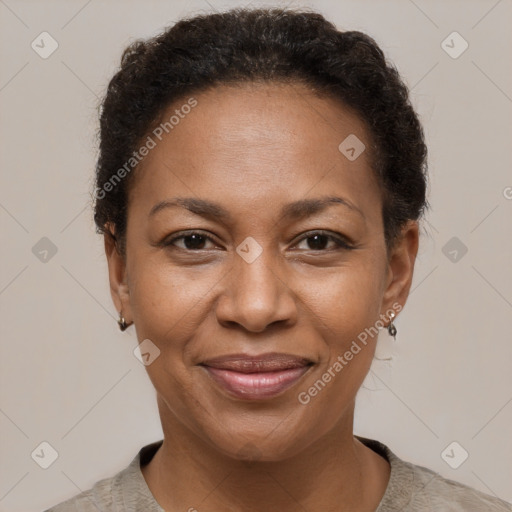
(318, 240)
(192, 241)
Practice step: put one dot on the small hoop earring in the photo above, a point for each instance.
(391, 326)
(122, 322)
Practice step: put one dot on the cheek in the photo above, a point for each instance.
(345, 310)
(170, 303)
(345, 302)
(167, 302)
(167, 307)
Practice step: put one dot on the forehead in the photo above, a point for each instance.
(261, 143)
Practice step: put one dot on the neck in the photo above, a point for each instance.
(335, 473)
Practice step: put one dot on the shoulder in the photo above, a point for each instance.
(126, 490)
(414, 488)
(434, 492)
(98, 497)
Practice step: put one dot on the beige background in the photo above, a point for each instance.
(69, 376)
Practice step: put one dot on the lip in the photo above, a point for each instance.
(257, 377)
(245, 363)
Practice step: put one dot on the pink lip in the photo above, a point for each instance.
(245, 363)
(256, 386)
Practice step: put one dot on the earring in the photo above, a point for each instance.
(391, 326)
(122, 322)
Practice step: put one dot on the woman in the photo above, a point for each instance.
(259, 187)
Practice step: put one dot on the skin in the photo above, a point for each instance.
(253, 149)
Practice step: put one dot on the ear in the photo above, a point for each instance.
(401, 268)
(117, 274)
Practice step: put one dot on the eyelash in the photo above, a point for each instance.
(338, 240)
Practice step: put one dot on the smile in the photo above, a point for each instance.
(256, 386)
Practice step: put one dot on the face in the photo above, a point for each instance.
(272, 266)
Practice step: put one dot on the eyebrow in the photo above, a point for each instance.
(296, 210)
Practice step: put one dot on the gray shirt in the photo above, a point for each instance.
(411, 488)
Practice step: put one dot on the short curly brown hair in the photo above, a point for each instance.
(275, 45)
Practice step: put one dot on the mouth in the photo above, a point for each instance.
(257, 377)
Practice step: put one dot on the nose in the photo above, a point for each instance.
(256, 296)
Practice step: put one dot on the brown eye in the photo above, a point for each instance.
(192, 241)
(319, 240)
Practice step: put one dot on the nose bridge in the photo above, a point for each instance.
(257, 295)
(257, 278)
